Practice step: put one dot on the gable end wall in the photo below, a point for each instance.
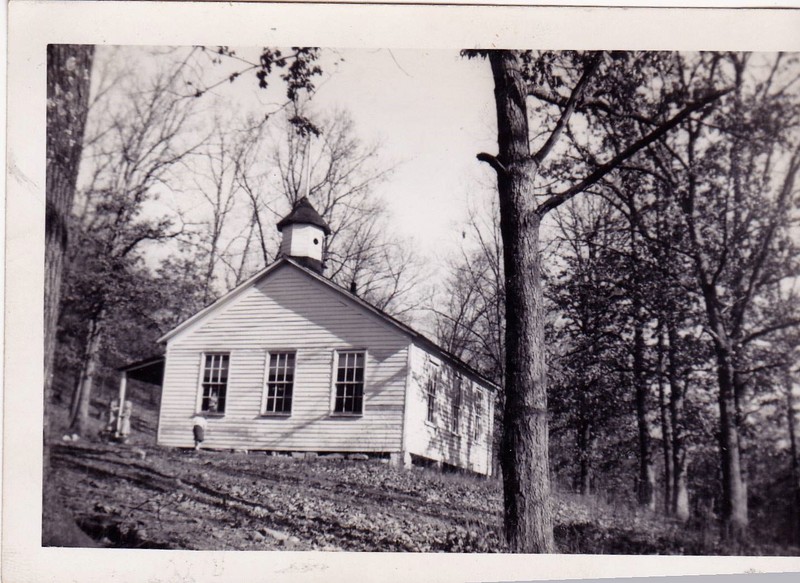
(288, 310)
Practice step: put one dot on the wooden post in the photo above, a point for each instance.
(401, 459)
(122, 386)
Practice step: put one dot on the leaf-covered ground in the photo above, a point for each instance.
(223, 500)
(151, 497)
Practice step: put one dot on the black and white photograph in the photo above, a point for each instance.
(344, 297)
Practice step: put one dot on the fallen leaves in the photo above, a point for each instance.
(219, 501)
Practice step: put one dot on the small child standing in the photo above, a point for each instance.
(199, 429)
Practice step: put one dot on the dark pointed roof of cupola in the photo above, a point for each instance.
(304, 214)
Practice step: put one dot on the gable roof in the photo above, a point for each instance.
(305, 214)
(417, 337)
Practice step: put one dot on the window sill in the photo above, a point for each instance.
(274, 415)
(347, 415)
(432, 425)
(208, 415)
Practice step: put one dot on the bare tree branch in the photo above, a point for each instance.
(557, 199)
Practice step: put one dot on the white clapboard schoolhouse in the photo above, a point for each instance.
(289, 361)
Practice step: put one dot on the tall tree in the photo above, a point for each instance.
(731, 175)
(68, 83)
(524, 457)
(587, 399)
(69, 70)
(134, 146)
(641, 381)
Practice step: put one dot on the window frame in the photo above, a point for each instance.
(434, 380)
(334, 375)
(265, 383)
(457, 403)
(201, 382)
(477, 412)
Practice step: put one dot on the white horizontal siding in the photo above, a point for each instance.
(288, 310)
(436, 440)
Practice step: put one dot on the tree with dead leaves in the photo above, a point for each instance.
(568, 82)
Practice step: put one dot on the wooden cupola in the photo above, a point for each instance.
(304, 236)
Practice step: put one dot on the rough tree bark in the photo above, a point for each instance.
(68, 83)
(524, 455)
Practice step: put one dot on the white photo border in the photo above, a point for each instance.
(34, 24)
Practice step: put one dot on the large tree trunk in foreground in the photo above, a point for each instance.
(526, 474)
(68, 83)
(68, 79)
(524, 456)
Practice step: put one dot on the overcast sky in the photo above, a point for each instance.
(433, 111)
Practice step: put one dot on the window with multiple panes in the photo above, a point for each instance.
(478, 412)
(280, 382)
(215, 382)
(349, 383)
(455, 407)
(430, 395)
(348, 386)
